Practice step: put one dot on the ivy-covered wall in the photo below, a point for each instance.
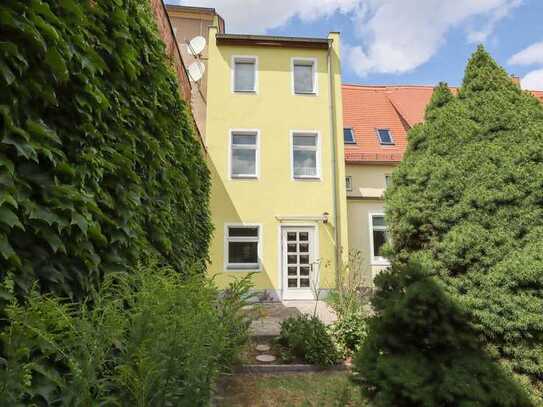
(99, 164)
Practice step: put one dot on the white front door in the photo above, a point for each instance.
(298, 262)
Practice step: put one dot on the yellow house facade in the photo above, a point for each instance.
(274, 138)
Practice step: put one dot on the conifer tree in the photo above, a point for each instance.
(467, 202)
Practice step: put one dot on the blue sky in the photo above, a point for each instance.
(403, 41)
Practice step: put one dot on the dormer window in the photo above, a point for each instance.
(385, 137)
(348, 136)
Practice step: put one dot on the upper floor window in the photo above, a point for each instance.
(385, 137)
(244, 154)
(348, 136)
(245, 74)
(305, 155)
(378, 238)
(388, 180)
(242, 251)
(304, 72)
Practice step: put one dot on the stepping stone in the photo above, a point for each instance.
(262, 348)
(265, 358)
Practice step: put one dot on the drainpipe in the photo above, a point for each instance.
(332, 107)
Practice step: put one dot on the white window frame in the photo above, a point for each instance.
(242, 267)
(349, 183)
(242, 58)
(248, 132)
(305, 133)
(376, 260)
(315, 76)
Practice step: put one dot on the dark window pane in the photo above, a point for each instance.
(243, 232)
(304, 259)
(291, 236)
(378, 220)
(304, 282)
(304, 271)
(304, 247)
(292, 283)
(293, 271)
(348, 136)
(384, 136)
(243, 252)
(379, 239)
(291, 248)
(304, 236)
(292, 259)
(240, 139)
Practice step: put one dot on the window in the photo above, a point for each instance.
(305, 155)
(348, 136)
(349, 183)
(245, 74)
(388, 180)
(385, 136)
(244, 154)
(304, 74)
(242, 247)
(378, 237)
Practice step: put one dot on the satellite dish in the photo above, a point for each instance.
(196, 70)
(196, 45)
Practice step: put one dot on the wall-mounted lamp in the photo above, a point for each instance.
(325, 217)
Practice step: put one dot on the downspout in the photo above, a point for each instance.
(332, 106)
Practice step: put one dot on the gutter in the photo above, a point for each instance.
(334, 160)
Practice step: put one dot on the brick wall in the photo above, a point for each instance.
(172, 51)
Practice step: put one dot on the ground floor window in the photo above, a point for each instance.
(378, 237)
(242, 247)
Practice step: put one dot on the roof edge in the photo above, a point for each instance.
(273, 41)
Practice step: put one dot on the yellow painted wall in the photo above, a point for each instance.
(367, 180)
(275, 111)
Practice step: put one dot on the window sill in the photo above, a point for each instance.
(245, 92)
(297, 178)
(306, 93)
(242, 177)
(380, 262)
(250, 268)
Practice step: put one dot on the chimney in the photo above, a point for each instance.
(516, 79)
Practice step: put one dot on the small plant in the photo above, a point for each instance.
(349, 331)
(306, 337)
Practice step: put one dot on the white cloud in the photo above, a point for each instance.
(398, 36)
(533, 80)
(529, 56)
(394, 36)
(258, 16)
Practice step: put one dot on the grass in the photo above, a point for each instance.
(323, 389)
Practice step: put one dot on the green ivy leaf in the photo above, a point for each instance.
(56, 62)
(5, 247)
(8, 217)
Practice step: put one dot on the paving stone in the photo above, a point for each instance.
(262, 348)
(265, 358)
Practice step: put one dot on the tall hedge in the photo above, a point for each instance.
(467, 202)
(99, 163)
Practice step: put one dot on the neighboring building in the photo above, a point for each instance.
(376, 121)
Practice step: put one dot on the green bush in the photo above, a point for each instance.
(422, 351)
(306, 337)
(99, 162)
(467, 202)
(151, 338)
(349, 301)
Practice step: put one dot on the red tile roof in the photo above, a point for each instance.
(397, 108)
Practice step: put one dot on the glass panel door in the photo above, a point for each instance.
(298, 258)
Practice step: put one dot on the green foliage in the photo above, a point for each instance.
(306, 337)
(151, 338)
(422, 350)
(467, 201)
(348, 300)
(99, 163)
